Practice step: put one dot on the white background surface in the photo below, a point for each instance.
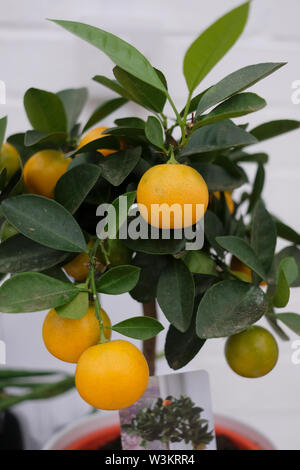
(37, 53)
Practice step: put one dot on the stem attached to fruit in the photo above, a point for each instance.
(92, 255)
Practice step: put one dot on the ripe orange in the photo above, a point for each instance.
(67, 339)
(78, 267)
(252, 353)
(42, 171)
(95, 134)
(9, 159)
(228, 199)
(241, 270)
(166, 403)
(111, 376)
(172, 184)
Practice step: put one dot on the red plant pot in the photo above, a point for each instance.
(96, 431)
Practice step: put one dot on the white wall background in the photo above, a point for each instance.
(37, 53)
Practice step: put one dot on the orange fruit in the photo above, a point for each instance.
(228, 199)
(166, 403)
(42, 171)
(66, 339)
(172, 184)
(78, 267)
(95, 134)
(252, 353)
(242, 271)
(112, 376)
(9, 159)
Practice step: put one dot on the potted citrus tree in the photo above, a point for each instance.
(55, 175)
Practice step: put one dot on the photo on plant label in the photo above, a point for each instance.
(173, 414)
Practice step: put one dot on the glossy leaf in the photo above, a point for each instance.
(218, 178)
(44, 221)
(45, 111)
(175, 294)
(228, 308)
(263, 235)
(112, 85)
(288, 252)
(272, 129)
(31, 292)
(181, 348)
(141, 92)
(236, 106)
(151, 268)
(103, 111)
(74, 185)
(154, 132)
(142, 328)
(239, 248)
(40, 137)
(286, 232)
(158, 246)
(74, 100)
(75, 309)
(213, 44)
(118, 280)
(20, 254)
(199, 262)
(219, 136)
(119, 51)
(234, 83)
(282, 294)
(119, 165)
(289, 267)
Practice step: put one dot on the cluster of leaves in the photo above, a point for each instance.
(179, 421)
(197, 291)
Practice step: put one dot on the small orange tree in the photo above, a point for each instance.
(48, 206)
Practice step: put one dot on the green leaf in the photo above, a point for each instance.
(74, 186)
(234, 83)
(141, 92)
(218, 178)
(119, 165)
(44, 221)
(219, 136)
(181, 348)
(40, 137)
(282, 294)
(120, 216)
(213, 228)
(158, 246)
(120, 52)
(118, 280)
(228, 308)
(3, 125)
(175, 294)
(213, 44)
(108, 142)
(289, 251)
(31, 292)
(290, 269)
(292, 320)
(74, 100)
(104, 110)
(263, 235)
(239, 248)
(151, 268)
(75, 309)
(236, 106)
(154, 132)
(138, 327)
(199, 262)
(272, 129)
(286, 232)
(242, 157)
(258, 187)
(45, 111)
(20, 254)
(113, 85)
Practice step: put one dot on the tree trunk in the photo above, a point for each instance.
(149, 310)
